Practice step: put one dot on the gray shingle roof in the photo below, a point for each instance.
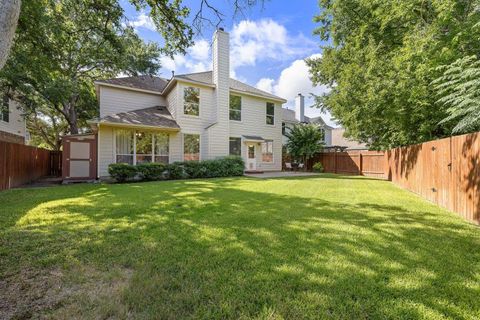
(206, 77)
(157, 116)
(150, 83)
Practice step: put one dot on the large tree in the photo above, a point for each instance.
(9, 12)
(61, 47)
(380, 60)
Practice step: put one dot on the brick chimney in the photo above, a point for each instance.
(300, 107)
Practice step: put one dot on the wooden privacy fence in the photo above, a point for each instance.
(21, 164)
(446, 172)
(361, 162)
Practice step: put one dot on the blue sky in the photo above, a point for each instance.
(267, 44)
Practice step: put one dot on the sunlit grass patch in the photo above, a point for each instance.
(327, 247)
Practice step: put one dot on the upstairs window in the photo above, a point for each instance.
(191, 101)
(284, 128)
(4, 109)
(270, 113)
(235, 108)
(322, 131)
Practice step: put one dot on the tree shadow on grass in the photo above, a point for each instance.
(212, 249)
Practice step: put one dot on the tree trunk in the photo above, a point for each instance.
(9, 13)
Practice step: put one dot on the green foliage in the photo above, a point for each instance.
(122, 172)
(62, 47)
(304, 141)
(175, 171)
(222, 167)
(318, 167)
(380, 60)
(151, 171)
(458, 89)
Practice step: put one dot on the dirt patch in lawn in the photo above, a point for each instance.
(80, 292)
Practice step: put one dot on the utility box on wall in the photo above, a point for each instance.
(79, 157)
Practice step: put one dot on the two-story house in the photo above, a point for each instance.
(193, 117)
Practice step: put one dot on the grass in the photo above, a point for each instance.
(327, 247)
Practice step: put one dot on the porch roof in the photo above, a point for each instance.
(153, 117)
(253, 138)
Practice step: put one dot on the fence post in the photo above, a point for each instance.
(361, 164)
(335, 162)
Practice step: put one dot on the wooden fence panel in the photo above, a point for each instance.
(445, 172)
(21, 164)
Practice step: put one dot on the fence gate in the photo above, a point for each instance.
(79, 157)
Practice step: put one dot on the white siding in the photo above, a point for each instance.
(116, 100)
(194, 124)
(16, 122)
(254, 124)
(106, 150)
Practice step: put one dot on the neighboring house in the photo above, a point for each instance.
(293, 117)
(12, 122)
(339, 139)
(194, 117)
(333, 137)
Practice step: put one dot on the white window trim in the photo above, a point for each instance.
(135, 146)
(199, 103)
(274, 115)
(241, 109)
(199, 141)
(273, 152)
(241, 144)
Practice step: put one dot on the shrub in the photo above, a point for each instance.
(152, 171)
(318, 167)
(222, 167)
(122, 172)
(175, 171)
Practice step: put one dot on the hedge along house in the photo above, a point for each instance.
(193, 117)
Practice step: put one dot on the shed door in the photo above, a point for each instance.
(80, 159)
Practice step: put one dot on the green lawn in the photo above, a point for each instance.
(326, 247)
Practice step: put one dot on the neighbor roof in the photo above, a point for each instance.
(289, 116)
(157, 116)
(150, 83)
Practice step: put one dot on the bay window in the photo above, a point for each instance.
(124, 142)
(136, 146)
(267, 151)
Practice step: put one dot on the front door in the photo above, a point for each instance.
(251, 157)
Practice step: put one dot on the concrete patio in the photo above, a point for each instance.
(280, 174)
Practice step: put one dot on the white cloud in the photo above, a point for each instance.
(143, 21)
(266, 84)
(256, 41)
(294, 80)
(251, 42)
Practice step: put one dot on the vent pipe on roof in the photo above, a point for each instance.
(300, 107)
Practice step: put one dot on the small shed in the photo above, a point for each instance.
(79, 157)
